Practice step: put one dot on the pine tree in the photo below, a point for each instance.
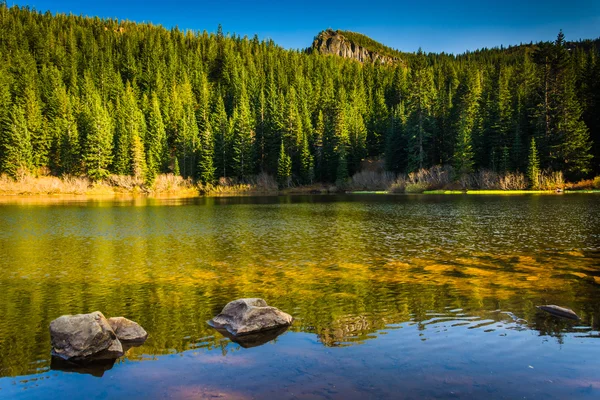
(129, 157)
(533, 168)
(307, 172)
(37, 127)
(357, 137)
(206, 169)
(396, 145)
(341, 176)
(241, 139)
(16, 144)
(98, 132)
(284, 168)
(222, 139)
(138, 157)
(156, 140)
(419, 124)
(378, 125)
(318, 147)
(466, 107)
(575, 146)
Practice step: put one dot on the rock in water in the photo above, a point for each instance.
(83, 336)
(245, 316)
(559, 311)
(127, 330)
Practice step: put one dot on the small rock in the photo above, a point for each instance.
(127, 330)
(559, 311)
(245, 316)
(83, 336)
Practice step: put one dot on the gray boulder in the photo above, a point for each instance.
(83, 336)
(246, 316)
(127, 330)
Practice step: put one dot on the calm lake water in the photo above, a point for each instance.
(393, 296)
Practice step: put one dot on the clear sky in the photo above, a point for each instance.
(452, 26)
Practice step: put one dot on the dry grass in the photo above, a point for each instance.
(29, 184)
(513, 181)
(371, 180)
(585, 184)
(434, 178)
(126, 183)
(262, 183)
(550, 180)
(172, 184)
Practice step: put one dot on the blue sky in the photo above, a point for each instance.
(435, 26)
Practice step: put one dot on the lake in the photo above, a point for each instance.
(394, 296)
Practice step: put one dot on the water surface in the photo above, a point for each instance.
(393, 296)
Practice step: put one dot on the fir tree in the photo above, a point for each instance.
(241, 139)
(98, 131)
(16, 144)
(466, 111)
(284, 168)
(419, 124)
(156, 140)
(306, 162)
(533, 168)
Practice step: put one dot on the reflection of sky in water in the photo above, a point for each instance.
(444, 360)
(425, 296)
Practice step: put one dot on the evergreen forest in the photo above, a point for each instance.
(95, 97)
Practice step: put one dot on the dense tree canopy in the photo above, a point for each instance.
(99, 96)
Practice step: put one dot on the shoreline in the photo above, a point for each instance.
(180, 195)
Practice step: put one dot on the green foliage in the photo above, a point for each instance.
(466, 109)
(156, 140)
(284, 168)
(419, 125)
(341, 175)
(98, 131)
(307, 172)
(114, 97)
(533, 168)
(16, 144)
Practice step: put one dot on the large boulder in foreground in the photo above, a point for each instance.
(84, 335)
(246, 316)
(127, 330)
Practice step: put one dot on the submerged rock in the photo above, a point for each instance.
(559, 311)
(83, 336)
(127, 330)
(246, 316)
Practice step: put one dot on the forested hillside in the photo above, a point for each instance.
(90, 96)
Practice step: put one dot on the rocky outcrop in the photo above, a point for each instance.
(333, 42)
(247, 316)
(91, 336)
(560, 311)
(127, 330)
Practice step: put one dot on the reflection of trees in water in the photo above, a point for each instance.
(344, 271)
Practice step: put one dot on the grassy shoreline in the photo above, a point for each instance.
(171, 186)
